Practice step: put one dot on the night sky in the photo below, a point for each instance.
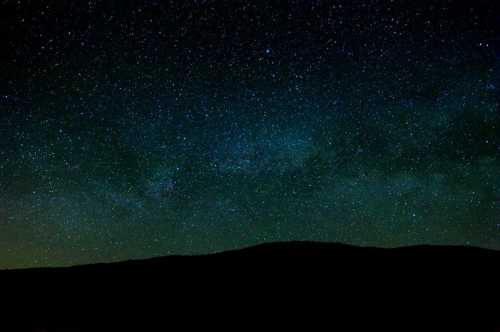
(131, 129)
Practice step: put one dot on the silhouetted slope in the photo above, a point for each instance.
(322, 255)
(294, 278)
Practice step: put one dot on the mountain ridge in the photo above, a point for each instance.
(293, 278)
(293, 249)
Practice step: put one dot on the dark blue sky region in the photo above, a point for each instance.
(140, 128)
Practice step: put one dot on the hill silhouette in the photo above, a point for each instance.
(277, 277)
(288, 254)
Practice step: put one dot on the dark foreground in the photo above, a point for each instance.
(290, 279)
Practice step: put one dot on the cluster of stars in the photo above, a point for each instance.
(133, 130)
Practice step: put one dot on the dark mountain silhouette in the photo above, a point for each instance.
(281, 256)
(292, 278)
(289, 254)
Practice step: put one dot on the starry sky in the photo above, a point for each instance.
(131, 129)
